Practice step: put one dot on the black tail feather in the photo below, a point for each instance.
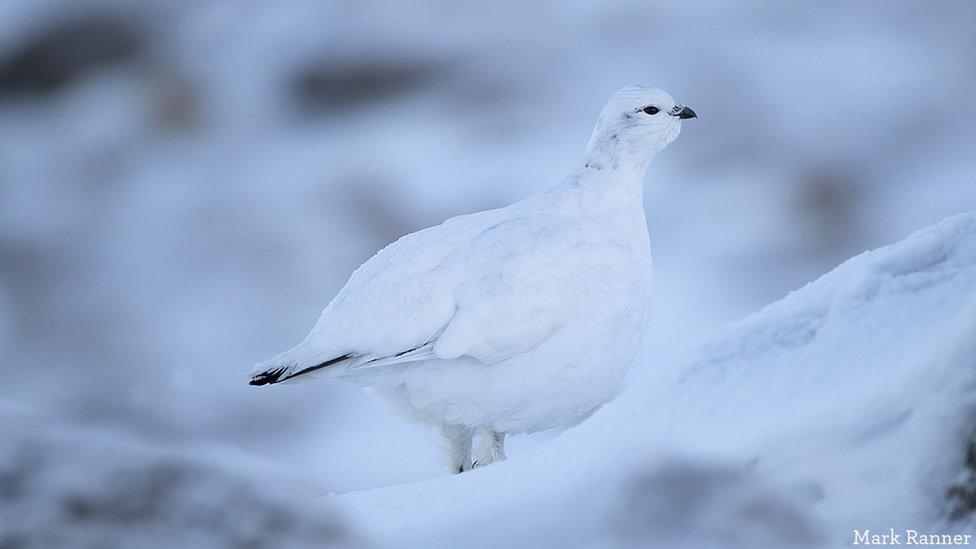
(269, 377)
(277, 375)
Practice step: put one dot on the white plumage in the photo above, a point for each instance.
(512, 320)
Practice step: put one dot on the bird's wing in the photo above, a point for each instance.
(486, 286)
(424, 352)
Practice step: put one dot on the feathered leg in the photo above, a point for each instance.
(458, 448)
(491, 447)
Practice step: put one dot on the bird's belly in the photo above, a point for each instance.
(558, 383)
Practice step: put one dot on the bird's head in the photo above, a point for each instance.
(637, 123)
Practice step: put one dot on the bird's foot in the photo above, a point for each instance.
(481, 462)
(487, 459)
(492, 449)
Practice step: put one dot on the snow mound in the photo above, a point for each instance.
(62, 487)
(687, 502)
(849, 404)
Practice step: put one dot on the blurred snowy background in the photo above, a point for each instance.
(185, 184)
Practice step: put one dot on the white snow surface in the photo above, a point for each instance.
(65, 485)
(170, 218)
(200, 199)
(849, 404)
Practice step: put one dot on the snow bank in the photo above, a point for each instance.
(202, 177)
(72, 487)
(849, 404)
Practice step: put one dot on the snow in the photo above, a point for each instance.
(169, 218)
(65, 486)
(846, 405)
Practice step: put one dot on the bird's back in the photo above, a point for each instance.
(403, 294)
(486, 285)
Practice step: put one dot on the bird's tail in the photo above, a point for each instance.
(293, 367)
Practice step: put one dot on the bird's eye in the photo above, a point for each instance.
(651, 109)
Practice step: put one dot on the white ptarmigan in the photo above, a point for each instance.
(513, 320)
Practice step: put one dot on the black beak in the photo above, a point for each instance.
(683, 112)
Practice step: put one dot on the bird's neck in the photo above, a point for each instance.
(610, 177)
